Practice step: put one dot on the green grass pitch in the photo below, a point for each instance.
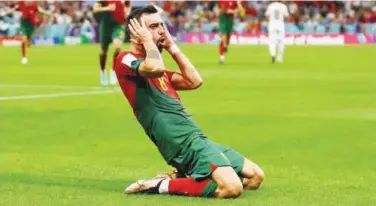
(310, 123)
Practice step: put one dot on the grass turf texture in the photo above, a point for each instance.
(310, 123)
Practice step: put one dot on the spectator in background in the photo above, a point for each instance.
(193, 24)
(62, 17)
(200, 16)
(254, 26)
(373, 14)
(87, 29)
(172, 26)
(241, 25)
(4, 27)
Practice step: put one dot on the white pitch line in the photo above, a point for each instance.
(287, 74)
(49, 86)
(56, 95)
(341, 114)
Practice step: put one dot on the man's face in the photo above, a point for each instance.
(155, 26)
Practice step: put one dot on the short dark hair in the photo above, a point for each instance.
(137, 13)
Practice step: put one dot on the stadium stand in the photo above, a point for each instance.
(75, 18)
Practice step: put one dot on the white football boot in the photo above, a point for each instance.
(150, 186)
(103, 78)
(222, 59)
(113, 78)
(279, 58)
(24, 60)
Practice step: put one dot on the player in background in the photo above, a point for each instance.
(210, 169)
(29, 21)
(112, 16)
(227, 11)
(276, 13)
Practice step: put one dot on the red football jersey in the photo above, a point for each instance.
(156, 106)
(118, 14)
(29, 11)
(134, 86)
(227, 5)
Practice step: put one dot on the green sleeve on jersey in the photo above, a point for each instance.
(135, 64)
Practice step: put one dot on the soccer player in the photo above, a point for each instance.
(276, 12)
(111, 29)
(226, 24)
(210, 169)
(29, 21)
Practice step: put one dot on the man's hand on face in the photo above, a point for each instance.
(140, 30)
(167, 41)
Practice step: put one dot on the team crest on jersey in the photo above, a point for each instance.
(128, 59)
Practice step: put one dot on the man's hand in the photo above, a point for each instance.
(168, 42)
(241, 9)
(99, 8)
(231, 11)
(140, 31)
(111, 7)
(153, 65)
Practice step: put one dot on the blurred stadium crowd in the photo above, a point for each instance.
(202, 16)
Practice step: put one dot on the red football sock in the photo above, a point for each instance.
(221, 48)
(191, 187)
(23, 48)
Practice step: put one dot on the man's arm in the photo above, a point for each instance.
(127, 9)
(153, 65)
(268, 13)
(45, 12)
(286, 13)
(189, 78)
(222, 8)
(241, 9)
(98, 7)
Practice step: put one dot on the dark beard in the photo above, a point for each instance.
(160, 48)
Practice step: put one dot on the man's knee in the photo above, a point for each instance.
(24, 39)
(224, 40)
(253, 175)
(255, 182)
(232, 190)
(259, 176)
(229, 184)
